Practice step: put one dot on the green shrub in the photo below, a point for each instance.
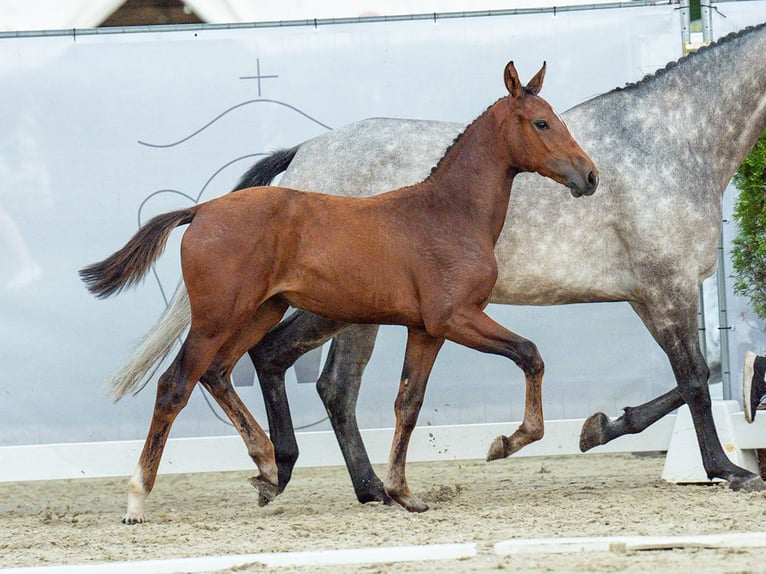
(749, 246)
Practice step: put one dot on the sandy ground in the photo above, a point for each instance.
(78, 521)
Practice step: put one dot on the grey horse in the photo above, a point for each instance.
(667, 147)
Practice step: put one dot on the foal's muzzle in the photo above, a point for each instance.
(585, 186)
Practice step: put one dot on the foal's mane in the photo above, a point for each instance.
(649, 78)
(457, 139)
(460, 135)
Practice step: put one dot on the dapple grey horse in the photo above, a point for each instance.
(667, 147)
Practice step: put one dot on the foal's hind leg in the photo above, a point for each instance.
(418, 360)
(217, 380)
(475, 329)
(173, 391)
(675, 329)
(259, 447)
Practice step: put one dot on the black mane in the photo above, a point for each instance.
(460, 135)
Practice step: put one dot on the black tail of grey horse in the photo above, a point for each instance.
(658, 217)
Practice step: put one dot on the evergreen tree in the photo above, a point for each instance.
(749, 247)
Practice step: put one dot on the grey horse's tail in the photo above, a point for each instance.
(267, 169)
(155, 346)
(161, 338)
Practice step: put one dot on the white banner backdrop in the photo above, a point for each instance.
(103, 130)
(732, 15)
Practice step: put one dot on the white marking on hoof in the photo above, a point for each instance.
(136, 497)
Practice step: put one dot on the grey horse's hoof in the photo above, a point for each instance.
(373, 492)
(498, 448)
(593, 432)
(748, 484)
(266, 491)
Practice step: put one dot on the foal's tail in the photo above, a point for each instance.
(161, 338)
(127, 266)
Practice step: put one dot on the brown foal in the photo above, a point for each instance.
(420, 256)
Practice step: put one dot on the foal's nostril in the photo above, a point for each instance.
(592, 183)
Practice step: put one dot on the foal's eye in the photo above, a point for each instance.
(541, 125)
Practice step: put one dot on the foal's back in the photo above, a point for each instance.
(348, 258)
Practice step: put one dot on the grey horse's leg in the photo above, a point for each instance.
(272, 356)
(678, 338)
(598, 429)
(338, 387)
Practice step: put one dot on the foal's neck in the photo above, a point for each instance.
(475, 175)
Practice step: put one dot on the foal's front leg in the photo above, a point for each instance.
(475, 329)
(418, 360)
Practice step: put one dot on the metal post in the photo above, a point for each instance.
(706, 14)
(723, 323)
(685, 22)
(701, 325)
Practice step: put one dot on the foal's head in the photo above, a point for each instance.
(546, 147)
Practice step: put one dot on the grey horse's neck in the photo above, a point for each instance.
(709, 106)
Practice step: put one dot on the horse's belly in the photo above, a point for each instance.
(528, 291)
(547, 272)
(355, 304)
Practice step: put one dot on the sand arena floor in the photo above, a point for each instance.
(78, 521)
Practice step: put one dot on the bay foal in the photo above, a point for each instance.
(421, 256)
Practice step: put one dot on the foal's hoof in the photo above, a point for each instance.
(747, 484)
(593, 432)
(498, 448)
(131, 519)
(402, 494)
(266, 491)
(412, 503)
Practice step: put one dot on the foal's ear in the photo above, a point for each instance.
(536, 83)
(512, 82)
